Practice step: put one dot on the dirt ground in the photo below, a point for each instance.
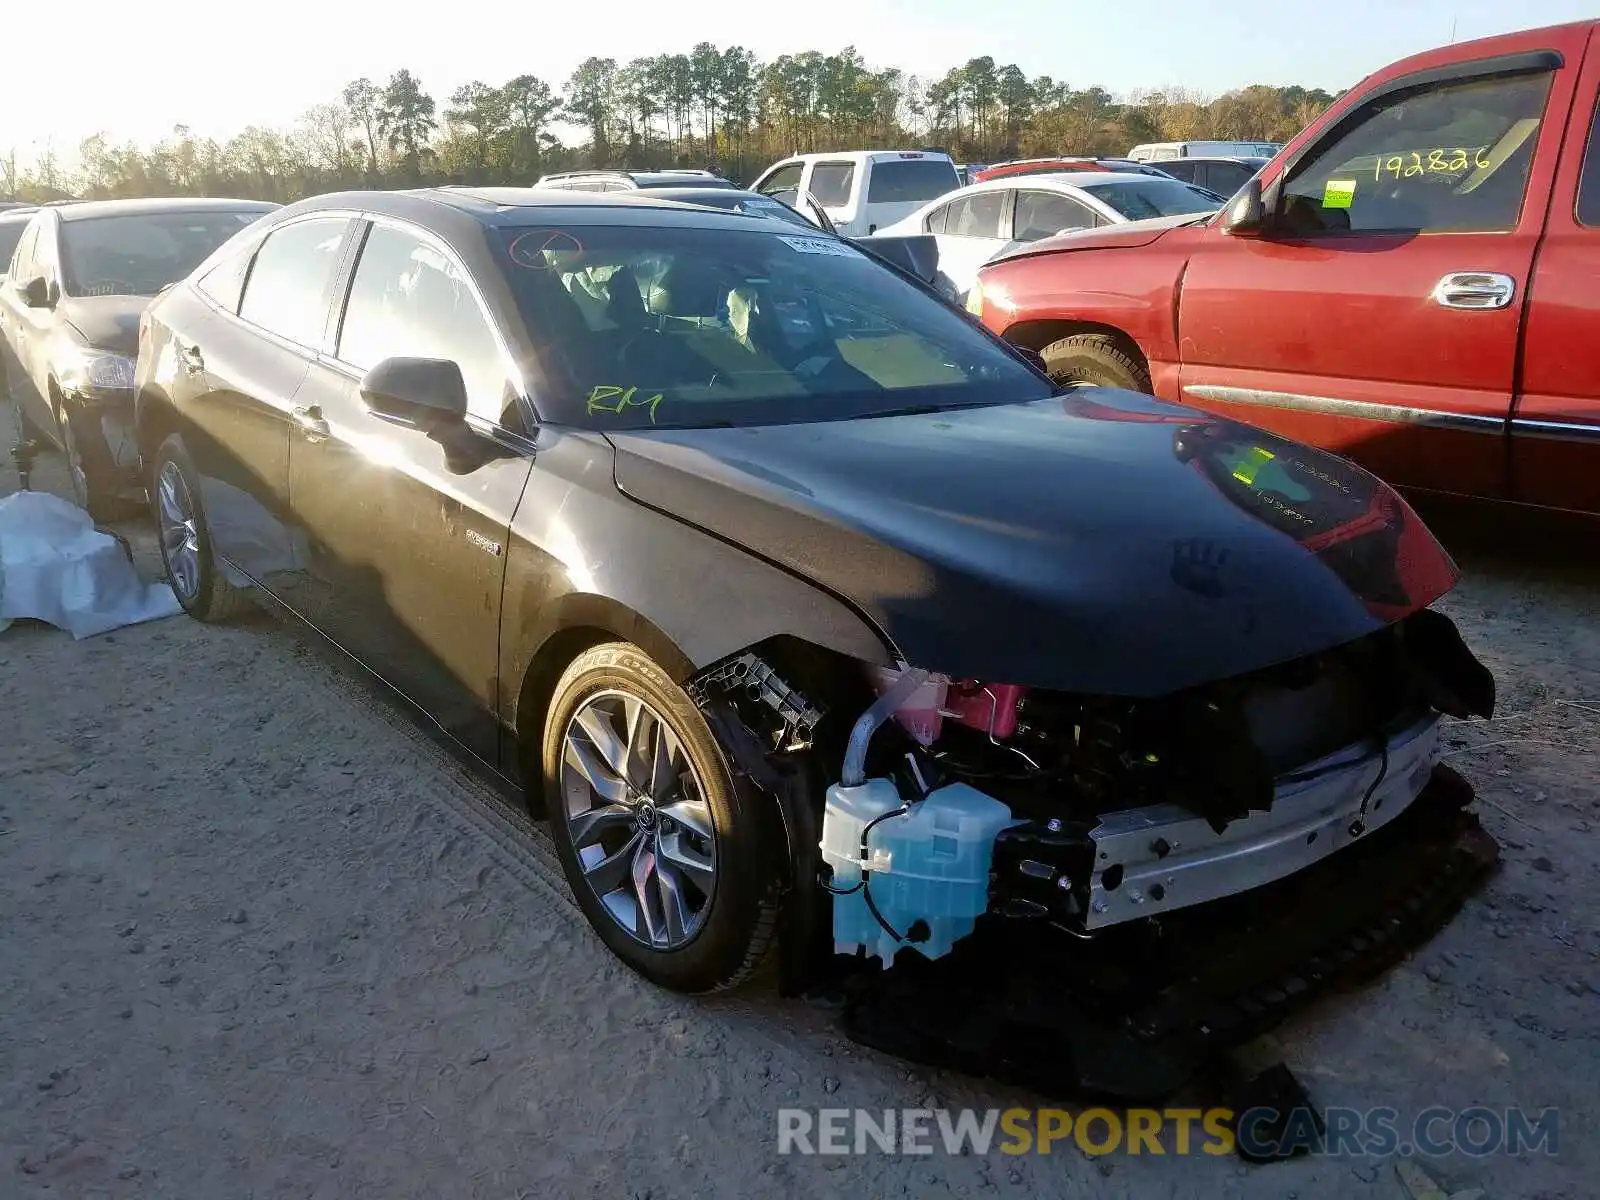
(261, 939)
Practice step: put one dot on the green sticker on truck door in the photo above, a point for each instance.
(1338, 193)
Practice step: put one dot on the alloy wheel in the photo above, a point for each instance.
(180, 537)
(638, 820)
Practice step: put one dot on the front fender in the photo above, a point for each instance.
(583, 556)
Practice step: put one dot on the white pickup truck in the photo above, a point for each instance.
(862, 191)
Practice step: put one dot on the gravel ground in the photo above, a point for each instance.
(263, 940)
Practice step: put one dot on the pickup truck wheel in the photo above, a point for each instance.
(186, 538)
(666, 855)
(1095, 358)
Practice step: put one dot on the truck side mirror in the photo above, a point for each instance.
(1246, 214)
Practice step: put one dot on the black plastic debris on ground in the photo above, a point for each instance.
(1134, 1014)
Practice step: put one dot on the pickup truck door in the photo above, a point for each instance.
(1379, 315)
(1555, 427)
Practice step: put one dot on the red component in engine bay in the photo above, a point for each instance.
(988, 707)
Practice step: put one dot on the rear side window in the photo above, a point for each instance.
(22, 260)
(831, 182)
(1450, 157)
(225, 281)
(976, 216)
(10, 237)
(1589, 185)
(1186, 171)
(910, 180)
(287, 292)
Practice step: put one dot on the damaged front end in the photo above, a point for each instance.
(971, 815)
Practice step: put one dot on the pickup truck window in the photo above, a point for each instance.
(1589, 184)
(1448, 157)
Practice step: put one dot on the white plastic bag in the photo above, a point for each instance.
(55, 566)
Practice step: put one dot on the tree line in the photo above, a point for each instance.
(713, 107)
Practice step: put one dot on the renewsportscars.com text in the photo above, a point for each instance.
(1381, 1132)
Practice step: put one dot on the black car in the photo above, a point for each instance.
(675, 517)
(1225, 176)
(80, 274)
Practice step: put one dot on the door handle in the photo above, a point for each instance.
(193, 361)
(311, 423)
(1475, 289)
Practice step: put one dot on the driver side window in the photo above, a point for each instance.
(1449, 157)
(784, 183)
(410, 299)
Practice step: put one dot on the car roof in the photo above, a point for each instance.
(868, 155)
(649, 179)
(17, 214)
(453, 209)
(83, 210)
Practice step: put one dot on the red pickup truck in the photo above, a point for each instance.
(1413, 282)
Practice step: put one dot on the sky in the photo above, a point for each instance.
(134, 71)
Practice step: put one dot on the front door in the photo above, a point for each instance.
(408, 534)
(1379, 317)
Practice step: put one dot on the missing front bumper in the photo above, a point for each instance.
(1136, 1011)
(1162, 858)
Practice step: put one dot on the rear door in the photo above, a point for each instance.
(1555, 427)
(16, 327)
(408, 534)
(1380, 317)
(237, 352)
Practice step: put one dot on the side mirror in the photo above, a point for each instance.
(36, 292)
(416, 393)
(1246, 214)
(916, 254)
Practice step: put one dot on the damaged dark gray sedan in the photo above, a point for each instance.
(810, 614)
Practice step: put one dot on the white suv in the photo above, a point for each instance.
(862, 190)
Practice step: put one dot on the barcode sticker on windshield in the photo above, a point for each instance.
(807, 245)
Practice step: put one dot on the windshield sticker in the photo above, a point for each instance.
(806, 245)
(1254, 459)
(531, 249)
(616, 400)
(1339, 193)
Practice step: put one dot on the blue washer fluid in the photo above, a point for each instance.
(930, 864)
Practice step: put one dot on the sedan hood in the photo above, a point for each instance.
(108, 322)
(1098, 541)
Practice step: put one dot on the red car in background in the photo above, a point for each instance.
(1410, 282)
(1046, 166)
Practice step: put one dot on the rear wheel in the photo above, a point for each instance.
(186, 548)
(1095, 358)
(667, 857)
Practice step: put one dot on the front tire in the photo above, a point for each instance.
(668, 858)
(93, 484)
(186, 546)
(1097, 359)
